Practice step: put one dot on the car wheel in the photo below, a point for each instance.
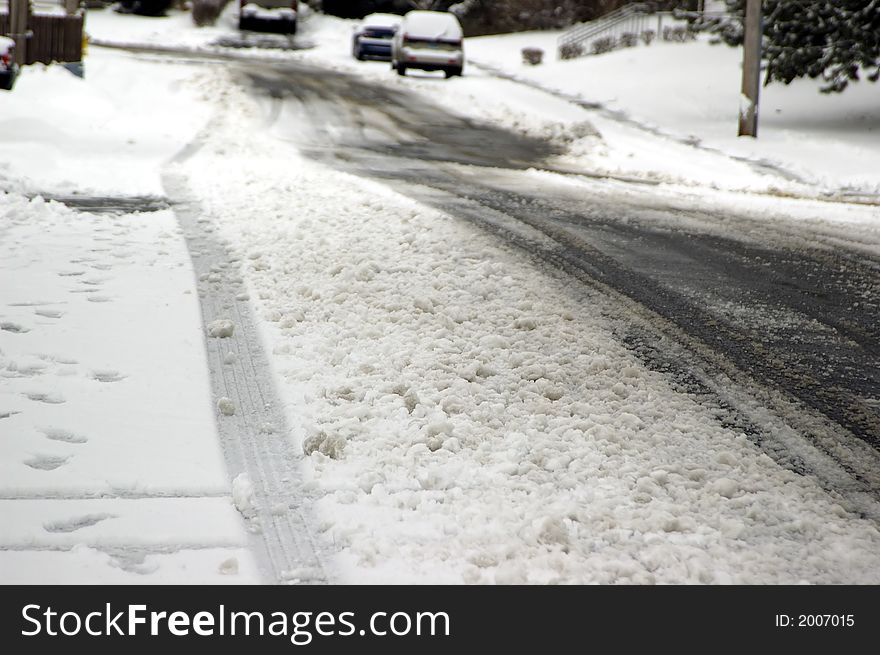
(401, 69)
(452, 72)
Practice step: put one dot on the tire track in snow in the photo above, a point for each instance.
(254, 437)
(794, 432)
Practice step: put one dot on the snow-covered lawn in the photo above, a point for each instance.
(690, 93)
(468, 417)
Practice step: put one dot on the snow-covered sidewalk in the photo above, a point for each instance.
(110, 471)
(464, 416)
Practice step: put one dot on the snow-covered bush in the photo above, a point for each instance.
(206, 12)
(679, 34)
(532, 56)
(571, 51)
(628, 40)
(603, 45)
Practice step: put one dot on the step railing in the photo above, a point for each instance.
(637, 20)
(580, 34)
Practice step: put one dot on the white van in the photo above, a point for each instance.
(428, 40)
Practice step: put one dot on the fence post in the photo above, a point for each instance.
(18, 19)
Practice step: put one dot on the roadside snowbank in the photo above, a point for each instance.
(107, 134)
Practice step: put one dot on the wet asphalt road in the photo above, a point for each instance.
(776, 322)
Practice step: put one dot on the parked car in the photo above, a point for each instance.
(8, 67)
(428, 40)
(372, 37)
(268, 15)
(144, 7)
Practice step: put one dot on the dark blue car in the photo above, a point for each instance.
(372, 38)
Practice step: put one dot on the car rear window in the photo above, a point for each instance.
(379, 32)
(437, 44)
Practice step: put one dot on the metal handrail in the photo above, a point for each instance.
(588, 30)
(633, 18)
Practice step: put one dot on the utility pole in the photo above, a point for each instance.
(751, 77)
(18, 16)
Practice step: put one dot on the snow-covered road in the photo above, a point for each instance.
(448, 405)
(463, 404)
(743, 290)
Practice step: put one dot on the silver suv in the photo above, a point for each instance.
(428, 40)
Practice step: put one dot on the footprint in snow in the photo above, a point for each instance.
(71, 273)
(99, 299)
(59, 434)
(49, 313)
(7, 414)
(107, 376)
(48, 398)
(15, 371)
(46, 462)
(57, 359)
(102, 267)
(132, 561)
(36, 303)
(15, 328)
(78, 523)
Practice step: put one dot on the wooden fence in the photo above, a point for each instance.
(51, 38)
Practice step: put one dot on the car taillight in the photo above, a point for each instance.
(294, 4)
(406, 38)
(5, 59)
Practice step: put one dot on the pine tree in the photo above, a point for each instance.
(835, 41)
